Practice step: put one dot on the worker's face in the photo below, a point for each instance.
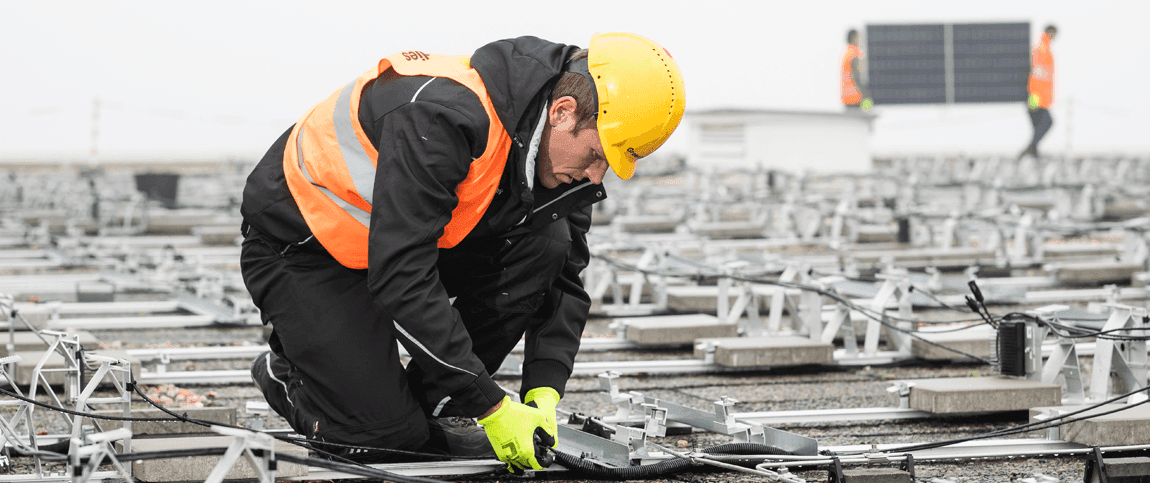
(569, 155)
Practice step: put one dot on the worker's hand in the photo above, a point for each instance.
(1033, 101)
(546, 399)
(866, 104)
(517, 435)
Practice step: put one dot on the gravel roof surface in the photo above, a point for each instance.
(801, 388)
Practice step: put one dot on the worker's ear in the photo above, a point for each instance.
(561, 115)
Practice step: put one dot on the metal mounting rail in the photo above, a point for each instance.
(769, 418)
(990, 448)
(648, 367)
(689, 366)
(197, 353)
(434, 468)
(597, 344)
(779, 418)
(62, 476)
(196, 377)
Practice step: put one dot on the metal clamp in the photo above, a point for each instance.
(903, 390)
(1094, 463)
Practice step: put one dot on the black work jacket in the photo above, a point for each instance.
(425, 148)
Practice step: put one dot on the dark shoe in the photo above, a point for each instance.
(458, 437)
(271, 373)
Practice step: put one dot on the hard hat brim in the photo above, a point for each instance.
(620, 160)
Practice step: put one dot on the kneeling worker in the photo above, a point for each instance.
(430, 177)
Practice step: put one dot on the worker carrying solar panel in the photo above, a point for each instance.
(431, 177)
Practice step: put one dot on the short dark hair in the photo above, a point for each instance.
(853, 34)
(1051, 29)
(579, 87)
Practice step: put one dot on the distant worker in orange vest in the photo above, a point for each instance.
(854, 92)
(442, 203)
(1040, 89)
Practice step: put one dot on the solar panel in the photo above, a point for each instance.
(947, 63)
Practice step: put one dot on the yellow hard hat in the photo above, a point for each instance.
(641, 97)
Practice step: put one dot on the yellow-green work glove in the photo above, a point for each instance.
(546, 399)
(866, 104)
(1033, 101)
(514, 431)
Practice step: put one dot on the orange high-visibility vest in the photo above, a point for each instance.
(1042, 73)
(329, 162)
(850, 93)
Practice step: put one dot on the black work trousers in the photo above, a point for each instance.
(1041, 120)
(343, 380)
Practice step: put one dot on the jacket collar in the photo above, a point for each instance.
(516, 71)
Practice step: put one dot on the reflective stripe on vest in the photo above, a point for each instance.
(1041, 81)
(849, 93)
(329, 162)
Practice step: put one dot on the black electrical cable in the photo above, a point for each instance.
(365, 471)
(937, 300)
(830, 294)
(359, 470)
(979, 302)
(302, 442)
(77, 413)
(865, 310)
(870, 313)
(1072, 332)
(1054, 422)
(957, 329)
(582, 466)
(172, 453)
(312, 443)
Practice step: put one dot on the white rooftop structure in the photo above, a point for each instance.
(792, 141)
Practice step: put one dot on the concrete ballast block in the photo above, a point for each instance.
(218, 415)
(729, 229)
(924, 257)
(37, 316)
(1127, 427)
(705, 298)
(23, 372)
(977, 341)
(218, 234)
(25, 341)
(648, 223)
(676, 329)
(1092, 251)
(1119, 470)
(770, 351)
(197, 468)
(960, 395)
(877, 234)
(1096, 272)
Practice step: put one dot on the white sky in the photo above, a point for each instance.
(210, 79)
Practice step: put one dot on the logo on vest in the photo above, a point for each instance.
(415, 55)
